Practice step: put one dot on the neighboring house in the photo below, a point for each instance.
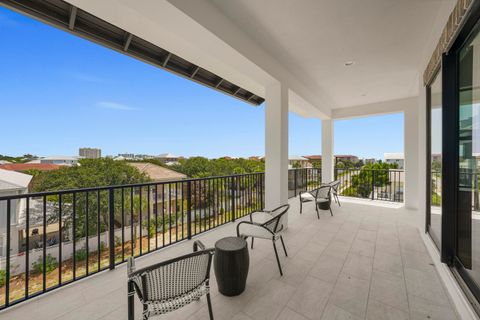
(314, 160)
(168, 158)
(60, 160)
(158, 173)
(119, 158)
(369, 161)
(126, 156)
(4, 162)
(22, 167)
(90, 153)
(395, 158)
(297, 162)
(346, 158)
(12, 183)
(254, 158)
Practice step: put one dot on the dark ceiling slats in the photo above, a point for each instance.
(67, 17)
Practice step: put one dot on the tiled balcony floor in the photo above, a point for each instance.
(366, 262)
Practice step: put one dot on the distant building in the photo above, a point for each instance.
(158, 173)
(437, 157)
(297, 162)
(127, 156)
(395, 158)
(60, 160)
(254, 158)
(12, 183)
(369, 161)
(346, 158)
(22, 167)
(314, 159)
(168, 158)
(90, 153)
(4, 162)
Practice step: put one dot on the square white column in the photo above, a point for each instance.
(276, 146)
(327, 151)
(411, 166)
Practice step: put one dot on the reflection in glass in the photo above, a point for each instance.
(468, 205)
(436, 159)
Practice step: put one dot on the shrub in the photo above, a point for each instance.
(81, 255)
(3, 277)
(50, 264)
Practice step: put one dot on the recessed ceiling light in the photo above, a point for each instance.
(349, 63)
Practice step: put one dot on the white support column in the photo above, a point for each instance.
(276, 146)
(411, 136)
(327, 151)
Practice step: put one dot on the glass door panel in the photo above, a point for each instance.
(435, 210)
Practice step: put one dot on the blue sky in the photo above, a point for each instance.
(60, 92)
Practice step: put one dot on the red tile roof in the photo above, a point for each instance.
(314, 157)
(30, 166)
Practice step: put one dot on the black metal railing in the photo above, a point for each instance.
(50, 239)
(375, 184)
(304, 179)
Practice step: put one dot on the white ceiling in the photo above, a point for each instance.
(389, 40)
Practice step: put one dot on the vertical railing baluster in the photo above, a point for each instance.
(123, 224)
(27, 247)
(7, 261)
(148, 217)
(189, 209)
(233, 186)
(86, 229)
(44, 262)
(156, 216)
(99, 229)
(111, 226)
(60, 239)
(163, 215)
(133, 241)
(140, 220)
(176, 212)
(74, 231)
(170, 213)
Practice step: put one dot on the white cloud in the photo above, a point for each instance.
(114, 106)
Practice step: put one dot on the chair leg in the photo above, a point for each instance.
(301, 206)
(252, 242)
(278, 259)
(316, 208)
(131, 302)
(210, 312)
(331, 213)
(283, 244)
(338, 200)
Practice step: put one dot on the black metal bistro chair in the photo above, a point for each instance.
(322, 197)
(335, 185)
(172, 284)
(271, 229)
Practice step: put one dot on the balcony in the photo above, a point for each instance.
(367, 261)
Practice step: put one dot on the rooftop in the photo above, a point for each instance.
(14, 180)
(158, 173)
(30, 166)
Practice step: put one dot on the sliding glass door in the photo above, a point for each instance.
(468, 202)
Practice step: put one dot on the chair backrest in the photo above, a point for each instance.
(279, 214)
(322, 192)
(172, 278)
(334, 184)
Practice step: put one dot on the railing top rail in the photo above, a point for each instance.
(123, 186)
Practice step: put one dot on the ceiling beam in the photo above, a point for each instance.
(127, 42)
(219, 83)
(195, 72)
(73, 17)
(164, 64)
